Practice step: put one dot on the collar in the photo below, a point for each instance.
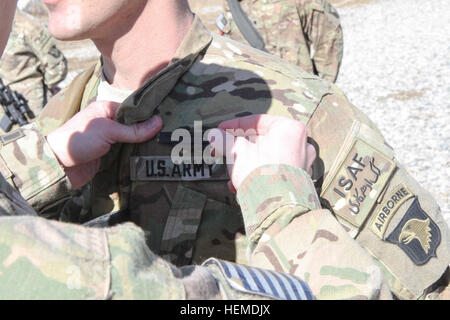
(105, 91)
(141, 105)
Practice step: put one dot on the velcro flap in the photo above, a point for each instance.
(358, 176)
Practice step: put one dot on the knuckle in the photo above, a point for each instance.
(311, 151)
(135, 130)
(301, 127)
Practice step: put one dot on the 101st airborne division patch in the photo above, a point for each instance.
(416, 234)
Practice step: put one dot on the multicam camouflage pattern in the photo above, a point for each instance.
(258, 215)
(11, 202)
(34, 167)
(364, 172)
(214, 79)
(43, 259)
(34, 7)
(32, 64)
(304, 32)
(274, 219)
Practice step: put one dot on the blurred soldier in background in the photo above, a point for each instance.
(32, 64)
(34, 7)
(304, 32)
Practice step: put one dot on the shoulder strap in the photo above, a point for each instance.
(245, 26)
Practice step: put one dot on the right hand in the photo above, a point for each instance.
(268, 139)
(86, 137)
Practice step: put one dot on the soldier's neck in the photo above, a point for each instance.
(133, 57)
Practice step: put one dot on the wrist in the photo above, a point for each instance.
(270, 193)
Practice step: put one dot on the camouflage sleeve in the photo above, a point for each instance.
(138, 273)
(320, 22)
(28, 164)
(290, 233)
(43, 259)
(378, 201)
(53, 62)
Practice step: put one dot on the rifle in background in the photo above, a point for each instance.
(15, 107)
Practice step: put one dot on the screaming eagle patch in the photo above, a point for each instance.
(416, 234)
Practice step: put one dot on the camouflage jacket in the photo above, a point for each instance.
(194, 216)
(31, 63)
(304, 32)
(43, 259)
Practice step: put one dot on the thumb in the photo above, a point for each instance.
(134, 133)
(311, 157)
(103, 109)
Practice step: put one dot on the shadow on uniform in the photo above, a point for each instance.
(185, 219)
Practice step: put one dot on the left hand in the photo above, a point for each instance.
(80, 143)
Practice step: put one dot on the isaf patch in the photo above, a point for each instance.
(268, 283)
(358, 182)
(416, 234)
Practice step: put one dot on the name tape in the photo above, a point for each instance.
(162, 168)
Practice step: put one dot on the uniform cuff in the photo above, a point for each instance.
(240, 282)
(275, 193)
(28, 163)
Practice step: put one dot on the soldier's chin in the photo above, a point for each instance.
(64, 26)
(66, 34)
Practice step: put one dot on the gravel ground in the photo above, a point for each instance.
(396, 68)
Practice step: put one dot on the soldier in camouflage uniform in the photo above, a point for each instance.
(304, 32)
(65, 261)
(34, 7)
(32, 64)
(189, 214)
(61, 261)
